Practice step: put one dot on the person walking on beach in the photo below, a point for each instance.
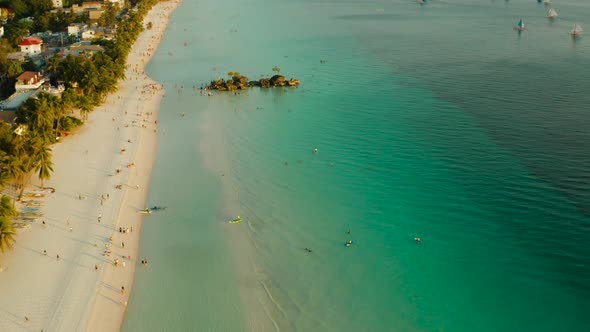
(99, 217)
(95, 267)
(123, 290)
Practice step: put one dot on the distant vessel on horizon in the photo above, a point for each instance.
(519, 26)
(576, 30)
(552, 13)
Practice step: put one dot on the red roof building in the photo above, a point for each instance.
(31, 41)
(29, 80)
(31, 45)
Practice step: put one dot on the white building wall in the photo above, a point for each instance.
(31, 49)
(73, 30)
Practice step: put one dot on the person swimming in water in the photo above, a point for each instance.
(349, 243)
(315, 150)
(418, 240)
(308, 250)
(349, 232)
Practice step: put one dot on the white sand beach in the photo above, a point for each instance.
(81, 290)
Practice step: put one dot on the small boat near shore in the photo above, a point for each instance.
(149, 210)
(552, 14)
(576, 30)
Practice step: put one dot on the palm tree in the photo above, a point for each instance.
(54, 64)
(7, 233)
(13, 169)
(59, 111)
(90, 79)
(85, 105)
(43, 164)
(7, 208)
(4, 160)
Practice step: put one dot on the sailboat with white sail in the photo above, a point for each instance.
(576, 30)
(552, 14)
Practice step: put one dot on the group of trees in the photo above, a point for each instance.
(58, 21)
(39, 121)
(7, 232)
(26, 8)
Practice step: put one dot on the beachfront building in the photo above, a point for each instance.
(57, 4)
(16, 56)
(93, 8)
(84, 49)
(31, 45)
(120, 3)
(77, 29)
(29, 80)
(88, 34)
(87, 5)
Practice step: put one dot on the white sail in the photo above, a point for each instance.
(552, 13)
(577, 30)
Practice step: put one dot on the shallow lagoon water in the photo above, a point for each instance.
(437, 121)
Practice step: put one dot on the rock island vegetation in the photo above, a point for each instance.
(237, 81)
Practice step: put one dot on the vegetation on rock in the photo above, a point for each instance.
(238, 82)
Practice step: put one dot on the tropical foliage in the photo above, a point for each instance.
(40, 121)
(7, 233)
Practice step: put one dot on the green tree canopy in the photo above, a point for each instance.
(7, 234)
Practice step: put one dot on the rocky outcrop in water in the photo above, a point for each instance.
(239, 82)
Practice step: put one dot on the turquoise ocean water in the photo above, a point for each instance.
(437, 121)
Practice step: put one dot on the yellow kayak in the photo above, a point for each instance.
(235, 221)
